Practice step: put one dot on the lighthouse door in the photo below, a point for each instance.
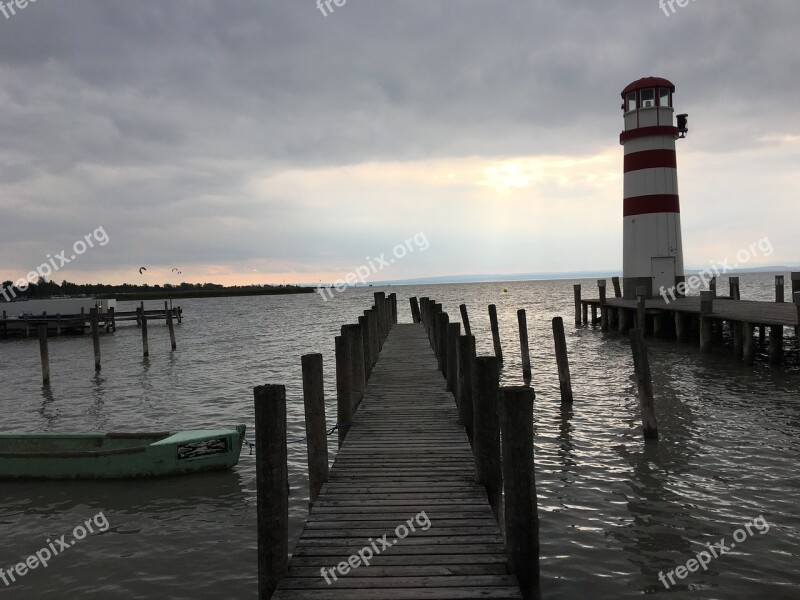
(663, 273)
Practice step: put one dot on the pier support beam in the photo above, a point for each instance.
(523, 343)
(466, 357)
(562, 360)
(45, 354)
(521, 516)
(272, 485)
(738, 339)
(344, 374)
(601, 285)
(645, 384)
(95, 324)
(316, 427)
(498, 349)
(453, 333)
(748, 350)
(577, 293)
(706, 308)
(355, 348)
(486, 445)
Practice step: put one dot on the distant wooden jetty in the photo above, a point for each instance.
(419, 426)
(705, 318)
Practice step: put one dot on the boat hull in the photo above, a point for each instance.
(118, 456)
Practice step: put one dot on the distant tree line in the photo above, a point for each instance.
(45, 289)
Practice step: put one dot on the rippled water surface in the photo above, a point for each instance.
(614, 511)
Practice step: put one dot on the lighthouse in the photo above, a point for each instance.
(652, 249)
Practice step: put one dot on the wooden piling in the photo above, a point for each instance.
(585, 313)
(623, 320)
(442, 321)
(344, 386)
(383, 321)
(644, 383)
(521, 516)
(453, 333)
(392, 298)
(576, 290)
(738, 339)
(272, 484)
(748, 350)
(372, 332)
(94, 321)
(796, 296)
(465, 319)
(415, 318)
(641, 307)
(523, 343)
(617, 290)
(706, 329)
(498, 349)
(562, 360)
(486, 445)
(44, 352)
(712, 286)
(316, 427)
(358, 378)
(775, 344)
(170, 325)
(613, 318)
(779, 288)
(112, 313)
(735, 292)
(142, 320)
(423, 312)
(601, 286)
(466, 355)
(363, 323)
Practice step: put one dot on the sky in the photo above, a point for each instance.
(260, 141)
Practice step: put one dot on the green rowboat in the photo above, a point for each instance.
(117, 455)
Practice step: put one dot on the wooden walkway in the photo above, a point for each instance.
(405, 455)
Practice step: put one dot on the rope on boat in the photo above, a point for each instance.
(331, 431)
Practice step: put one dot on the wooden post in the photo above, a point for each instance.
(498, 349)
(748, 351)
(442, 321)
(613, 318)
(453, 332)
(414, 309)
(733, 284)
(775, 344)
(576, 289)
(358, 378)
(45, 354)
(272, 485)
(170, 326)
(95, 338)
(645, 384)
(344, 386)
(393, 309)
(706, 308)
(562, 360)
(316, 427)
(617, 290)
(374, 344)
(423, 312)
(622, 320)
(712, 286)
(601, 286)
(796, 296)
(641, 306)
(795, 277)
(585, 311)
(465, 319)
(383, 322)
(738, 339)
(521, 517)
(523, 343)
(486, 446)
(142, 319)
(434, 333)
(112, 312)
(363, 323)
(466, 355)
(779, 288)
(179, 310)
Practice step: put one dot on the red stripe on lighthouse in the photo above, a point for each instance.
(650, 159)
(646, 205)
(647, 132)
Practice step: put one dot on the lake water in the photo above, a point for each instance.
(614, 512)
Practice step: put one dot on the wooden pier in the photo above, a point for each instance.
(404, 491)
(705, 318)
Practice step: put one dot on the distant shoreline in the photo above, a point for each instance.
(174, 294)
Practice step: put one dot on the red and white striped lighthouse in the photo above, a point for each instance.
(652, 249)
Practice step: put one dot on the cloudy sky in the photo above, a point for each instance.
(257, 141)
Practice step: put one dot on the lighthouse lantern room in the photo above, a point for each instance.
(652, 249)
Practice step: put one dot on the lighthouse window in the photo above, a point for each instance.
(648, 98)
(663, 97)
(630, 101)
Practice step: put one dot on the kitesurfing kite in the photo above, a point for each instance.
(142, 269)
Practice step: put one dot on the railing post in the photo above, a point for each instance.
(363, 323)
(380, 306)
(466, 356)
(486, 445)
(733, 284)
(645, 384)
(523, 343)
(521, 515)
(344, 386)
(316, 427)
(442, 321)
(374, 344)
(393, 307)
(498, 349)
(272, 484)
(358, 380)
(562, 360)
